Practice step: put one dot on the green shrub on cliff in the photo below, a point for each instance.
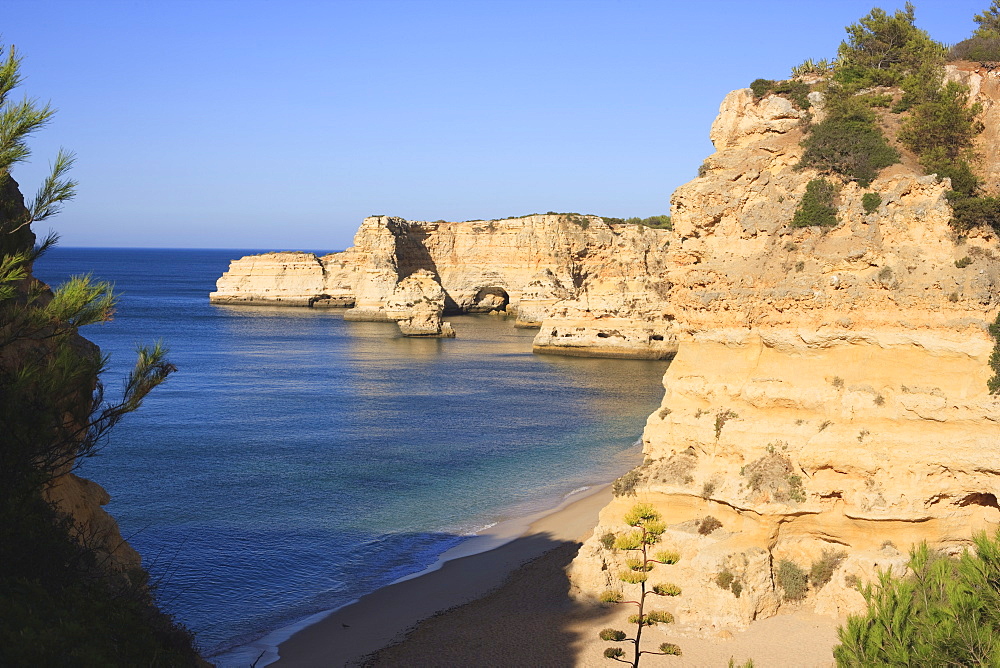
(60, 602)
(971, 211)
(945, 612)
(816, 207)
(994, 383)
(871, 202)
(656, 222)
(796, 91)
(794, 581)
(848, 142)
(761, 87)
(625, 485)
(823, 568)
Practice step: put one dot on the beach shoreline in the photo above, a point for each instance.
(461, 574)
(383, 617)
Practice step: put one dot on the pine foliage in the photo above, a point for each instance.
(60, 601)
(945, 612)
(988, 22)
(882, 48)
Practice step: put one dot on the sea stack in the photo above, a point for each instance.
(416, 305)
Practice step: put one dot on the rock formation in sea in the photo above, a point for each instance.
(416, 304)
(524, 267)
(828, 401)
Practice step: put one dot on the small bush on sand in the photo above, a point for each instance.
(793, 580)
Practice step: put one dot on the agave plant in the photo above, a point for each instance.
(647, 529)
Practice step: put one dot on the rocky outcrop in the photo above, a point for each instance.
(828, 391)
(609, 336)
(286, 279)
(83, 500)
(79, 499)
(416, 304)
(984, 85)
(525, 266)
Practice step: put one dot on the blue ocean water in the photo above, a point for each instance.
(297, 461)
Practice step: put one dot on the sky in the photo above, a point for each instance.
(281, 125)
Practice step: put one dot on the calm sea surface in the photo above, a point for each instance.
(297, 461)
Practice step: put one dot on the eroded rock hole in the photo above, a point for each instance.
(980, 499)
(490, 299)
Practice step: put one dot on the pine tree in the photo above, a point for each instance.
(882, 48)
(61, 602)
(945, 612)
(989, 22)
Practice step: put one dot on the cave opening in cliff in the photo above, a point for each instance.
(489, 299)
(980, 499)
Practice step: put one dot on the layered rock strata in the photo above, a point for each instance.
(286, 279)
(829, 389)
(520, 266)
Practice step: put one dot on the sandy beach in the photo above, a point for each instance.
(349, 634)
(510, 606)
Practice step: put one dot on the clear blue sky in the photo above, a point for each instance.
(249, 124)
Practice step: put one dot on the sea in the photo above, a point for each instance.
(296, 461)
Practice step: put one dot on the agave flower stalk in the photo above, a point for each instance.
(647, 529)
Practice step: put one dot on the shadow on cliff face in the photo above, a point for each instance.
(529, 620)
(412, 255)
(411, 251)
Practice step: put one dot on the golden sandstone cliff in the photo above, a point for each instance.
(523, 266)
(829, 392)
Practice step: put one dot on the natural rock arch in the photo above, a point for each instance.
(489, 299)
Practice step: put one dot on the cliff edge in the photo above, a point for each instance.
(828, 401)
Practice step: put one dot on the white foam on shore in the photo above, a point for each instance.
(481, 529)
(265, 650)
(501, 533)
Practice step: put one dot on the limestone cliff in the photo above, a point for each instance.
(524, 266)
(829, 387)
(417, 304)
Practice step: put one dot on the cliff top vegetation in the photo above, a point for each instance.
(887, 66)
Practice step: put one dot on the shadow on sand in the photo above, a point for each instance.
(528, 621)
